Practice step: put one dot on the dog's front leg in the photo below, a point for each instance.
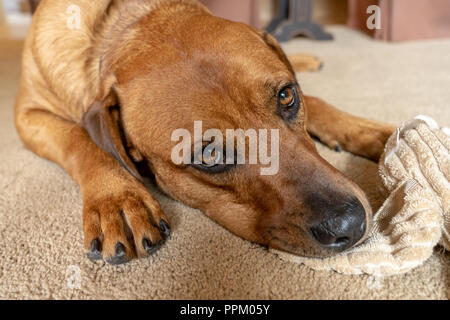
(121, 220)
(340, 130)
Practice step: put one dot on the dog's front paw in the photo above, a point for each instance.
(119, 226)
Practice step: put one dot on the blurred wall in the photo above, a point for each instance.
(246, 11)
(330, 11)
(2, 13)
(403, 20)
(258, 13)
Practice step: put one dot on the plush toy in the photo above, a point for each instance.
(415, 169)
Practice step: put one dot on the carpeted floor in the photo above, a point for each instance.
(40, 207)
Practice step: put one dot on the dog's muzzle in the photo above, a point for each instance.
(341, 230)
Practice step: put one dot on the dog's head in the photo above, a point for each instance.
(169, 74)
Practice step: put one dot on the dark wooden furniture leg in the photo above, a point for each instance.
(282, 15)
(295, 18)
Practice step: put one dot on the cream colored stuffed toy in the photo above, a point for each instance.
(415, 168)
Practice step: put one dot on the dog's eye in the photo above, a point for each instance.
(211, 159)
(210, 156)
(288, 102)
(286, 97)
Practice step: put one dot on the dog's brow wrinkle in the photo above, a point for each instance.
(295, 226)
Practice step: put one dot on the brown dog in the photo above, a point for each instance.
(102, 101)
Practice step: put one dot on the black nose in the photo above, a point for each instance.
(342, 229)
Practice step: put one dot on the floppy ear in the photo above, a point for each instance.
(103, 123)
(273, 44)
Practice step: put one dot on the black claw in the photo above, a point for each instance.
(95, 250)
(146, 243)
(120, 256)
(149, 246)
(338, 148)
(120, 249)
(165, 229)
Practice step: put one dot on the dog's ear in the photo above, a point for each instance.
(275, 46)
(103, 123)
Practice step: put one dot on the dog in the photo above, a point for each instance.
(102, 99)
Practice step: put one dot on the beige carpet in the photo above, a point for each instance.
(40, 207)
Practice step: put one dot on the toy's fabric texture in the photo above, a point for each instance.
(415, 169)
